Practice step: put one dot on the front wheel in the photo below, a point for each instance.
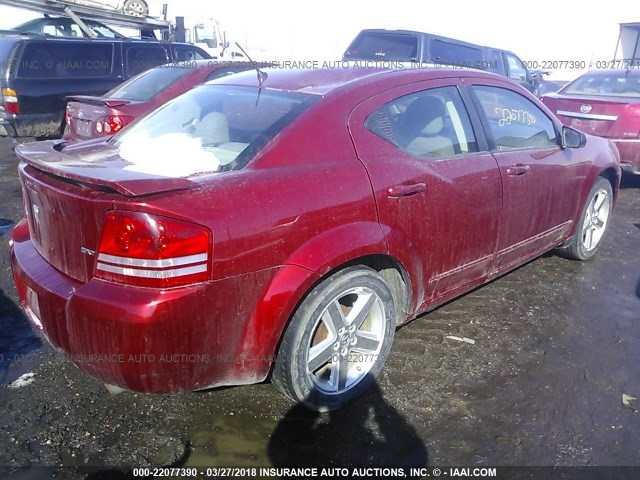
(593, 222)
(337, 340)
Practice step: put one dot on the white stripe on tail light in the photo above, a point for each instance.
(152, 251)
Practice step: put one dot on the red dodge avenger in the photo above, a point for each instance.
(284, 223)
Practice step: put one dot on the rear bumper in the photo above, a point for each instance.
(144, 339)
(39, 125)
(629, 153)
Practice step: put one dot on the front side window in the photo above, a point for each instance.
(430, 124)
(515, 122)
(208, 129)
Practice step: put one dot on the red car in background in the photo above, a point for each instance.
(286, 223)
(605, 103)
(91, 117)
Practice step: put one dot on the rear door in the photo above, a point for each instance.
(541, 181)
(437, 188)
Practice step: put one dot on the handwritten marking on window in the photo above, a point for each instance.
(513, 115)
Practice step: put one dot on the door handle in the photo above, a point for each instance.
(518, 169)
(406, 190)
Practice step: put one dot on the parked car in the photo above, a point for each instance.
(284, 223)
(40, 72)
(61, 27)
(604, 103)
(136, 8)
(90, 117)
(411, 46)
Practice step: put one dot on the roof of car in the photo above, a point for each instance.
(321, 81)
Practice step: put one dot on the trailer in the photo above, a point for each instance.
(205, 33)
(69, 9)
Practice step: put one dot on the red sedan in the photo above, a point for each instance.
(285, 222)
(91, 117)
(604, 103)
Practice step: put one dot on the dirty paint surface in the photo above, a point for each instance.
(547, 373)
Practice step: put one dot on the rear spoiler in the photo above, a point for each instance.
(109, 102)
(95, 163)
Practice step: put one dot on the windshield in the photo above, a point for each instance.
(210, 128)
(148, 84)
(617, 84)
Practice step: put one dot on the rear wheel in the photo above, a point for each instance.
(593, 222)
(136, 8)
(337, 340)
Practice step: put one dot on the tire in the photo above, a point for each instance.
(594, 219)
(135, 8)
(337, 341)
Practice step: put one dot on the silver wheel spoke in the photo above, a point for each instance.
(598, 201)
(320, 354)
(588, 238)
(338, 377)
(333, 318)
(367, 343)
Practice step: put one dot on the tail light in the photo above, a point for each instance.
(152, 251)
(67, 117)
(10, 101)
(112, 124)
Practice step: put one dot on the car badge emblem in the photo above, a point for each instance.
(80, 114)
(586, 108)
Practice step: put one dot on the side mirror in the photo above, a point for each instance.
(572, 138)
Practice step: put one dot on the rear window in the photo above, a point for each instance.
(148, 84)
(454, 54)
(208, 129)
(384, 46)
(66, 60)
(619, 84)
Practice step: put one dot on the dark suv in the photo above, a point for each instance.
(38, 74)
(410, 46)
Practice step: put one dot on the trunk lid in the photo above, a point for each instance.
(610, 117)
(67, 193)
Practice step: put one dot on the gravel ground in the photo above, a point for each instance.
(550, 379)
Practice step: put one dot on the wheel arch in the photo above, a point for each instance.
(317, 260)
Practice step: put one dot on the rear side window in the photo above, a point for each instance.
(454, 53)
(384, 46)
(143, 57)
(429, 124)
(517, 71)
(66, 60)
(515, 121)
(147, 85)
